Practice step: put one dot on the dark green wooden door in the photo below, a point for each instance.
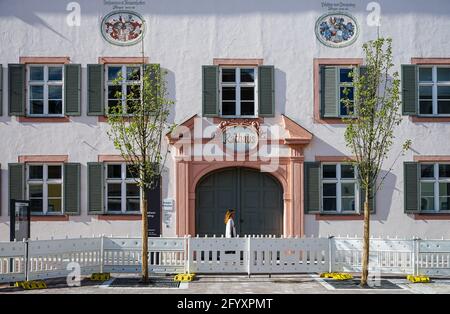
(256, 196)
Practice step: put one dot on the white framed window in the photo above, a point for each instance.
(340, 193)
(238, 91)
(122, 192)
(45, 90)
(123, 86)
(45, 188)
(345, 91)
(435, 187)
(434, 90)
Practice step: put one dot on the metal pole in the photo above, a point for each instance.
(26, 260)
(101, 253)
(330, 254)
(249, 255)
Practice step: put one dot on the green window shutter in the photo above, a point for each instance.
(328, 92)
(72, 89)
(154, 72)
(95, 188)
(210, 93)
(266, 91)
(409, 90)
(72, 188)
(312, 187)
(372, 201)
(96, 83)
(16, 181)
(16, 89)
(411, 187)
(1, 90)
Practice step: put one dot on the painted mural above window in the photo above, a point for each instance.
(123, 28)
(337, 29)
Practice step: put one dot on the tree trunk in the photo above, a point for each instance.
(143, 205)
(366, 241)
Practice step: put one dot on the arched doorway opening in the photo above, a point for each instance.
(257, 197)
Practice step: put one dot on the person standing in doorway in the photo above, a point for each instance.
(230, 230)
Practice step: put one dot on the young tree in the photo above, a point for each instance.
(370, 130)
(137, 120)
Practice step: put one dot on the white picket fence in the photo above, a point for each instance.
(42, 259)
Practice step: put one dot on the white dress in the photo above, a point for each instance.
(230, 230)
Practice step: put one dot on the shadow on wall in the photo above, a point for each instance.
(280, 91)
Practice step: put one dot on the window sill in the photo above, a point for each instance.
(120, 216)
(37, 217)
(330, 120)
(44, 119)
(432, 216)
(429, 119)
(339, 216)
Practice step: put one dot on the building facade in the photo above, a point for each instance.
(257, 88)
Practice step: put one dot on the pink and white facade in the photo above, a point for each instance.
(261, 69)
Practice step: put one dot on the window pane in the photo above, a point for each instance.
(54, 205)
(115, 171)
(443, 92)
(54, 190)
(427, 171)
(114, 73)
(329, 189)
(248, 108)
(114, 92)
(443, 74)
(344, 75)
(55, 106)
(229, 75)
(54, 172)
(133, 73)
(132, 190)
(426, 107)
(247, 75)
(55, 92)
(425, 92)
(329, 171)
(114, 190)
(329, 204)
(36, 205)
(132, 171)
(36, 92)
(444, 171)
(133, 91)
(427, 188)
(133, 204)
(37, 107)
(114, 106)
(346, 109)
(348, 189)
(348, 204)
(444, 107)
(228, 93)
(247, 93)
(444, 203)
(132, 106)
(427, 203)
(346, 92)
(228, 108)
(36, 73)
(36, 172)
(444, 189)
(55, 73)
(425, 74)
(35, 191)
(347, 171)
(114, 205)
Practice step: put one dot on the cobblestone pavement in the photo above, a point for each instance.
(285, 284)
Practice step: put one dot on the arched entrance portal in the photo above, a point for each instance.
(256, 196)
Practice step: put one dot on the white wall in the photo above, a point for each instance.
(182, 36)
